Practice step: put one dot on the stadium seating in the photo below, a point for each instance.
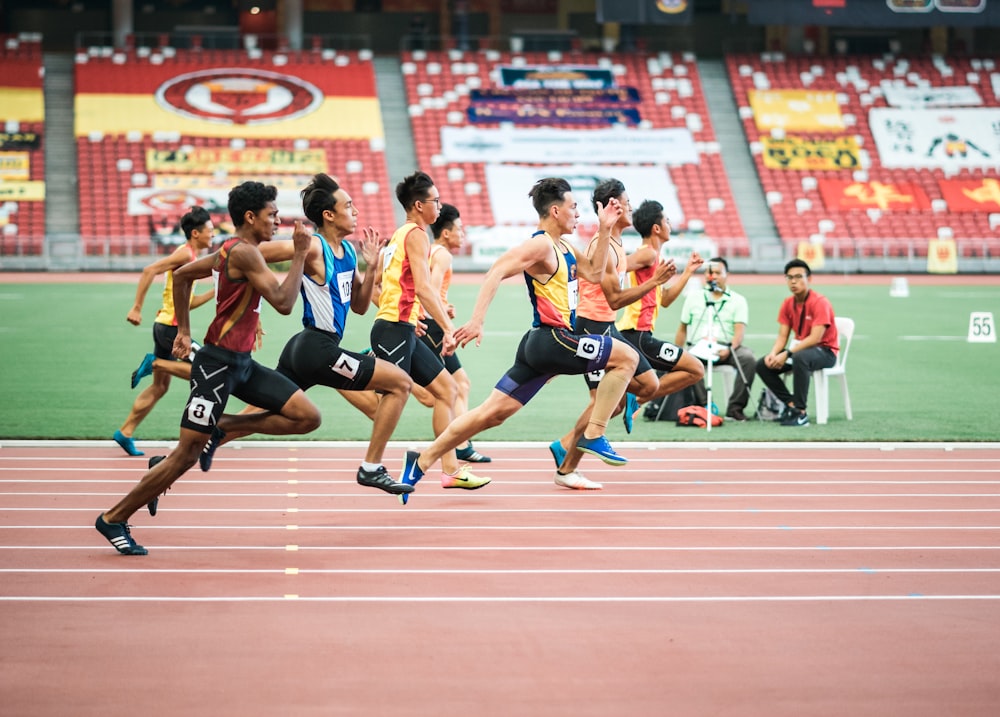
(859, 84)
(438, 85)
(22, 221)
(114, 161)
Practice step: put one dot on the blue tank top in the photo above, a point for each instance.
(325, 305)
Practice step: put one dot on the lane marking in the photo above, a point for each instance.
(916, 597)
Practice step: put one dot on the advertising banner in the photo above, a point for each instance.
(672, 146)
(309, 101)
(31, 191)
(561, 77)
(518, 96)
(177, 202)
(842, 195)
(645, 12)
(796, 110)
(942, 256)
(811, 154)
(15, 166)
(542, 115)
(20, 140)
(971, 195)
(508, 187)
(936, 138)
(252, 160)
(930, 96)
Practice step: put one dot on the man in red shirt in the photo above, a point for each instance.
(810, 315)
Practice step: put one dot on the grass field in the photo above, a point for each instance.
(68, 353)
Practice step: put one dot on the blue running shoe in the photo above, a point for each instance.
(119, 536)
(152, 505)
(558, 452)
(411, 473)
(631, 406)
(145, 369)
(127, 444)
(208, 452)
(602, 449)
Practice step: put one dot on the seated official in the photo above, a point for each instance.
(713, 323)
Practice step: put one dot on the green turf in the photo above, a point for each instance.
(68, 353)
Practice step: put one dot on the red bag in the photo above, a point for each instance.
(696, 416)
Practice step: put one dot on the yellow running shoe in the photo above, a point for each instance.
(463, 479)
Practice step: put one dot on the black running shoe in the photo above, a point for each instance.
(208, 452)
(380, 478)
(119, 536)
(151, 505)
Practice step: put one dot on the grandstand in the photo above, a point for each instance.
(831, 185)
(161, 120)
(22, 147)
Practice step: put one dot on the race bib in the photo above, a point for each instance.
(573, 289)
(589, 348)
(200, 411)
(345, 283)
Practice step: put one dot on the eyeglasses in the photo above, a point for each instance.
(795, 277)
(436, 200)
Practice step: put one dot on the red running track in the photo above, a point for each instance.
(753, 580)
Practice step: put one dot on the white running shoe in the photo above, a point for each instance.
(577, 481)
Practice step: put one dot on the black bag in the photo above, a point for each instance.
(666, 408)
(769, 407)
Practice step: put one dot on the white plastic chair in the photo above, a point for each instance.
(821, 378)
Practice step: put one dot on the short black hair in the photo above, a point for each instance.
(647, 216)
(606, 190)
(194, 219)
(548, 191)
(413, 189)
(249, 197)
(719, 260)
(446, 219)
(798, 263)
(318, 197)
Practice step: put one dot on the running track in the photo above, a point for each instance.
(703, 580)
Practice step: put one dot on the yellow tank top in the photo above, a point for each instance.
(166, 314)
(593, 302)
(554, 301)
(398, 300)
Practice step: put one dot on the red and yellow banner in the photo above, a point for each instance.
(796, 110)
(942, 256)
(322, 101)
(971, 195)
(811, 254)
(843, 195)
(811, 154)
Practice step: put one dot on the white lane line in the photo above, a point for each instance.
(512, 528)
(511, 571)
(535, 511)
(729, 495)
(408, 599)
(531, 548)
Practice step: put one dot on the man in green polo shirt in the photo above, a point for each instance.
(722, 314)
